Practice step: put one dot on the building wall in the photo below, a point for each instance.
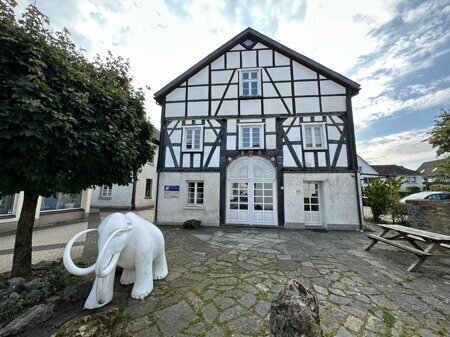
(338, 200)
(174, 210)
(121, 195)
(9, 222)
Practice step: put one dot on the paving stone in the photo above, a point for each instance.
(174, 318)
(215, 332)
(138, 324)
(246, 324)
(223, 302)
(353, 323)
(262, 308)
(230, 313)
(209, 313)
(342, 332)
(339, 299)
(247, 300)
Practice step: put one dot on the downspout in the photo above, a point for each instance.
(355, 160)
(159, 160)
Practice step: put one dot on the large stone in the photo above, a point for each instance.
(36, 315)
(192, 224)
(17, 282)
(295, 312)
(97, 325)
(77, 292)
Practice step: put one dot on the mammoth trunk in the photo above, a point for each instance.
(101, 292)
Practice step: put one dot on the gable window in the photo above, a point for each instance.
(106, 191)
(250, 85)
(411, 180)
(195, 193)
(251, 136)
(192, 138)
(313, 136)
(148, 189)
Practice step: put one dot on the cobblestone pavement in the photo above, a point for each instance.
(221, 282)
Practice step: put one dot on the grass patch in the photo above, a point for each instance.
(389, 320)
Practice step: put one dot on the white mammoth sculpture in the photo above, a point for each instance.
(128, 241)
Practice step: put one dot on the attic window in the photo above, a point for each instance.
(248, 43)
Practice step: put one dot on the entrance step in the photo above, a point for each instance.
(319, 229)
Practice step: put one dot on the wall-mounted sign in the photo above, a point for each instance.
(171, 191)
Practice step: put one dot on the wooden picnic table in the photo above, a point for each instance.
(411, 236)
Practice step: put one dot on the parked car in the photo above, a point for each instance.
(428, 195)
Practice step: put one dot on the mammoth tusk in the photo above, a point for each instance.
(67, 259)
(105, 271)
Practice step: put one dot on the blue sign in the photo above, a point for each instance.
(172, 188)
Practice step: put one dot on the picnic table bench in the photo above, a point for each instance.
(411, 236)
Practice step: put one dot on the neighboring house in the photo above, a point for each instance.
(412, 178)
(428, 170)
(258, 134)
(366, 171)
(62, 207)
(120, 197)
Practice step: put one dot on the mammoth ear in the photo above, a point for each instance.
(129, 225)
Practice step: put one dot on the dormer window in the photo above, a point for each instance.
(250, 82)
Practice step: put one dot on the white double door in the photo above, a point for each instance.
(252, 200)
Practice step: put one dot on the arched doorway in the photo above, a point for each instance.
(251, 192)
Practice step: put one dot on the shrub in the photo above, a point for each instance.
(439, 187)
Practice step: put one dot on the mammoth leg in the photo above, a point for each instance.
(128, 277)
(160, 269)
(144, 278)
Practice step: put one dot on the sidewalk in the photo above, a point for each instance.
(49, 241)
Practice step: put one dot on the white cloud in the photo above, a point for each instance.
(409, 148)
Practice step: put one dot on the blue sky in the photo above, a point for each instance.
(399, 51)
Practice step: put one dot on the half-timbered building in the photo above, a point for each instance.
(258, 134)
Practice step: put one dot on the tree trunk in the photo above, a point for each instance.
(24, 234)
(133, 193)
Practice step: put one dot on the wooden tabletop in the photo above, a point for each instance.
(418, 232)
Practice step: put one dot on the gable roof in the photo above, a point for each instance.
(394, 170)
(253, 34)
(429, 167)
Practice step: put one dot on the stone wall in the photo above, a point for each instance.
(429, 215)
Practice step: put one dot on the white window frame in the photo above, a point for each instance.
(322, 135)
(185, 133)
(108, 190)
(196, 201)
(411, 180)
(241, 82)
(259, 126)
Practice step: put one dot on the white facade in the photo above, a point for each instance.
(120, 196)
(366, 171)
(255, 119)
(49, 210)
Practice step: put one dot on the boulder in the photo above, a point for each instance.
(295, 312)
(77, 292)
(97, 325)
(192, 224)
(28, 320)
(17, 283)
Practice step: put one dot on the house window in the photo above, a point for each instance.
(251, 136)
(106, 191)
(6, 204)
(61, 201)
(250, 82)
(195, 193)
(193, 138)
(411, 180)
(148, 189)
(313, 136)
